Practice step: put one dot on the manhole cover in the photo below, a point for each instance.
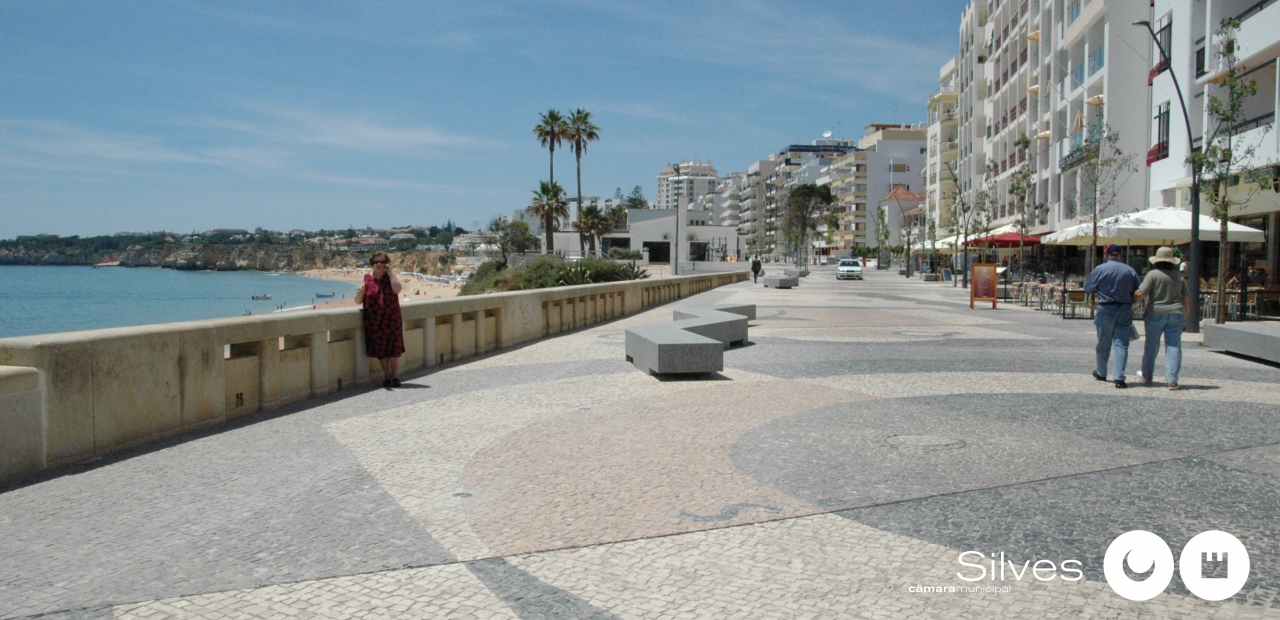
(924, 442)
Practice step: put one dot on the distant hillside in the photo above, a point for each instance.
(242, 257)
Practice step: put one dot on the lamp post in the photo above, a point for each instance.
(675, 243)
(1193, 271)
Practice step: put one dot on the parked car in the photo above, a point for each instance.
(849, 269)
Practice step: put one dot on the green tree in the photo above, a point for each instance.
(1021, 192)
(600, 223)
(551, 130)
(1104, 168)
(1224, 160)
(511, 237)
(636, 199)
(549, 204)
(580, 132)
(806, 206)
(882, 232)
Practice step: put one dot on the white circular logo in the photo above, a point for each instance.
(1214, 565)
(1143, 552)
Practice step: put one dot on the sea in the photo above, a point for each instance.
(49, 299)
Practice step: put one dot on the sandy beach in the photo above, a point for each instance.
(414, 287)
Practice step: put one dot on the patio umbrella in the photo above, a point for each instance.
(1169, 226)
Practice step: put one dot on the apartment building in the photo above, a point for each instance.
(751, 201)
(687, 181)
(1186, 30)
(888, 156)
(728, 199)
(943, 158)
(795, 165)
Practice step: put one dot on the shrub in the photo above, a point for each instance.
(625, 254)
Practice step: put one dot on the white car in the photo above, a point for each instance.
(849, 269)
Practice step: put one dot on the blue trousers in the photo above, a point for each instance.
(1113, 323)
(1171, 327)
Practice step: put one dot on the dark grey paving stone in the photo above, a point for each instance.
(865, 453)
(530, 597)
(1077, 517)
(279, 502)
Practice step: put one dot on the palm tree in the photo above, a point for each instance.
(549, 204)
(583, 228)
(551, 132)
(601, 223)
(580, 131)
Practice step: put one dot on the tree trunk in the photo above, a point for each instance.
(578, 155)
(551, 147)
(549, 222)
(1223, 261)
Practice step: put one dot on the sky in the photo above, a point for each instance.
(184, 116)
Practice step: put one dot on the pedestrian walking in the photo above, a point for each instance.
(756, 268)
(383, 325)
(1115, 284)
(1168, 304)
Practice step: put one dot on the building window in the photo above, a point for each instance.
(1161, 148)
(1200, 62)
(1165, 38)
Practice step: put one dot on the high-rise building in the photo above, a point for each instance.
(888, 156)
(1186, 29)
(939, 172)
(687, 181)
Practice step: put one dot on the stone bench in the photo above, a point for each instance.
(781, 281)
(1260, 340)
(795, 273)
(693, 343)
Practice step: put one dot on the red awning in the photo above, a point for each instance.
(1004, 240)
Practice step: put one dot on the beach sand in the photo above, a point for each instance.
(413, 289)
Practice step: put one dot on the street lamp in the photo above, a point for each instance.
(1193, 271)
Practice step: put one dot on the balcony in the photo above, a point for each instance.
(1158, 152)
(1073, 12)
(1097, 60)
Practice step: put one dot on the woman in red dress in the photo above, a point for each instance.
(383, 327)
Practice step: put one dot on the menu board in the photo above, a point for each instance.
(982, 284)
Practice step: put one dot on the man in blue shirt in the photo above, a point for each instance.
(1116, 285)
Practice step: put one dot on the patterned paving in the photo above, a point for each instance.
(870, 433)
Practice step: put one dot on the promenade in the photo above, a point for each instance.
(868, 434)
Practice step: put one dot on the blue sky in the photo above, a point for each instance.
(192, 115)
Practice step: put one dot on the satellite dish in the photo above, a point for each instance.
(826, 134)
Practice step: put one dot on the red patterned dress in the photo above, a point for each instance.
(383, 327)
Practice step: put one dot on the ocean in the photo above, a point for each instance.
(41, 300)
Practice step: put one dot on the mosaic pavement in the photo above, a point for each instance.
(868, 434)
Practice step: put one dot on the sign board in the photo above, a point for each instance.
(983, 284)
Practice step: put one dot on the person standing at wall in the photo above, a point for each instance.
(1116, 285)
(383, 325)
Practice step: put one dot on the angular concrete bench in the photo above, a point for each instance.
(797, 273)
(693, 343)
(780, 281)
(1260, 340)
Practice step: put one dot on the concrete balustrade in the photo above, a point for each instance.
(112, 389)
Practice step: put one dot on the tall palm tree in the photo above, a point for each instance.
(552, 130)
(580, 131)
(549, 204)
(583, 228)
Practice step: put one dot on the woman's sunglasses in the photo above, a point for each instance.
(382, 262)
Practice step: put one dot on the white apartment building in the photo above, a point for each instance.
(1186, 29)
(728, 195)
(888, 156)
(538, 227)
(751, 203)
(971, 81)
(795, 165)
(687, 181)
(939, 173)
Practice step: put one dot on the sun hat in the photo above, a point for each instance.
(1113, 250)
(1165, 255)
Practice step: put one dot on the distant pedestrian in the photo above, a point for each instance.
(383, 325)
(1168, 303)
(756, 268)
(1115, 283)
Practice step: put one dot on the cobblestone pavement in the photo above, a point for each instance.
(868, 434)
